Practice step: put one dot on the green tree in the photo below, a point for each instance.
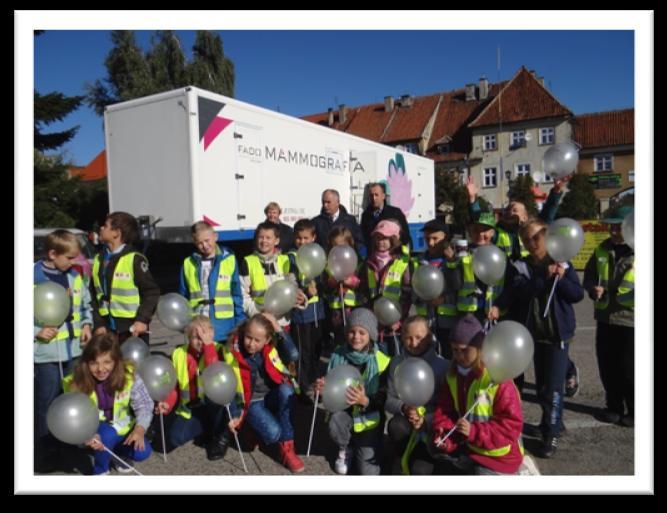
(580, 201)
(450, 191)
(56, 197)
(128, 74)
(50, 108)
(166, 61)
(210, 69)
(131, 73)
(521, 189)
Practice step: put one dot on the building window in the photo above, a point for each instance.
(490, 142)
(490, 177)
(518, 139)
(604, 162)
(522, 170)
(411, 147)
(547, 135)
(444, 148)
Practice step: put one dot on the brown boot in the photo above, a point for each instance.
(289, 458)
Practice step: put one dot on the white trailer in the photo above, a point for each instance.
(189, 155)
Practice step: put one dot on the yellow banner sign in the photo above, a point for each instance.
(594, 233)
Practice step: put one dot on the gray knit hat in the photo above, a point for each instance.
(366, 319)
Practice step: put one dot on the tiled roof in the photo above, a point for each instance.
(602, 129)
(95, 170)
(523, 99)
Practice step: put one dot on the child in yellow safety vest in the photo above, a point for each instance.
(209, 279)
(265, 388)
(409, 427)
(488, 440)
(342, 296)
(123, 291)
(358, 429)
(56, 348)
(387, 273)
(125, 408)
(261, 269)
(188, 413)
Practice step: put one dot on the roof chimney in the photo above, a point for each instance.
(483, 88)
(342, 113)
(330, 121)
(541, 81)
(388, 103)
(470, 92)
(406, 101)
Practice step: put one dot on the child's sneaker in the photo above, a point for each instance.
(125, 467)
(344, 461)
(572, 384)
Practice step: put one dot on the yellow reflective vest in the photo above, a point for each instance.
(122, 299)
(223, 305)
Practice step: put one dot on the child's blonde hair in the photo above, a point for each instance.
(61, 241)
(533, 221)
(197, 321)
(341, 231)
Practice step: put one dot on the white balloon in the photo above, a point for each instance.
(507, 351)
(560, 160)
(488, 264)
(628, 229)
(564, 239)
(342, 262)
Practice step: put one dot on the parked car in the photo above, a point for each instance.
(85, 261)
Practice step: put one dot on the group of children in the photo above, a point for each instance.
(276, 360)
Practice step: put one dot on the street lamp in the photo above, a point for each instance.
(508, 175)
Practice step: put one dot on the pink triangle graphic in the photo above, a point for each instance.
(217, 125)
(210, 221)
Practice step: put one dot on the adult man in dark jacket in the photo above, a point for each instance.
(378, 210)
(334, 214)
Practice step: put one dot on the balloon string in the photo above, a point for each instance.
(315, 314)
(60, 361)
(312, 423)
(164, 443)
(125, 464)
(442, 440)
(236, 437)
(342, 303)
(551, 295)
(396, 344)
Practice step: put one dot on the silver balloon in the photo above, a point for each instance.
(280, 297)
(488, 264)
(174, 311)
(564, 239)
(387, 311)
(428, 282)
(628, 229)
(342, 262)
(414, 381)
(134, 350)
(219, 383)
(507, 351)
(73, 418)
(52, 304)
(336, 384)
(560, 160)
(311, 260)
(159, 376)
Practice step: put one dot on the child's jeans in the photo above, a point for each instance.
(114, 442)
(270, 418)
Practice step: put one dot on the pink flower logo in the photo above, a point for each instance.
(398, 186)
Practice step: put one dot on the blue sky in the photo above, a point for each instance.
(304, 72)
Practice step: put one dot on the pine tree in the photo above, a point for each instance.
(166, 61)
(580, 201)
(48, 109)
(210, 69)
